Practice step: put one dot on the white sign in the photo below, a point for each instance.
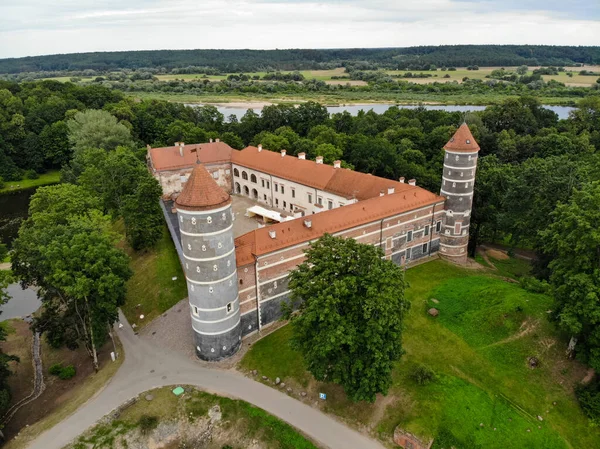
(322, 396)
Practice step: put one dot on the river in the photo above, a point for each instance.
(239, 109)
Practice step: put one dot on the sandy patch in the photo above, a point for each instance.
(497, 254)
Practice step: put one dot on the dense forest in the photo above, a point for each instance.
(233, 61)
(537, 186)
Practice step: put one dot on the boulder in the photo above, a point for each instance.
(433, 311)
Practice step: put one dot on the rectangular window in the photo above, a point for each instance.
(195, 311)
(457, 228)
(293, 193)
(438, 226)
(215, 175)
(319, 201)
(265, 197)
(282, 189)
(262, 181)
(329, 204)
(268, 185)
(408, 253)
(284, 204)
(229, 307)
(276, 202)
(426, 230)
(424, 248)
(409, 236)
(276, 187)
(309, 198)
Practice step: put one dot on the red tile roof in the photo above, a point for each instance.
(201, 192)
(462, 140)
(288, 233)
(340, 181)
(169, 158)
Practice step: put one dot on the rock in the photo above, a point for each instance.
(289, 390)
(303, 394)
(528, 430)
(433, 311)
(282, 384)
(533, 362)
(554, 403)
(540, 418)
(265, 377)
(214, 413)
(254, 372)
(149, 397)
(480, 424)
(435, 300)
(277, 381)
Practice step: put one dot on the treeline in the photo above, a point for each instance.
(235, 61)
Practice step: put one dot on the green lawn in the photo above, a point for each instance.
(242, 425)
(484, 395)
(52, 177)
(152, 286)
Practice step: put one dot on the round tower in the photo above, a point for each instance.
(206, 226)
(458, 180)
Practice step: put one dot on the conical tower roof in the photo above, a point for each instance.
(201, 192)
(462, 140)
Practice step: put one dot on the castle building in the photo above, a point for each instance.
(237, 284)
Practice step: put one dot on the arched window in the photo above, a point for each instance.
(246, 191)
(236, 173)
(245, 175)
(254, 193)
(237, 188)
(253, 178)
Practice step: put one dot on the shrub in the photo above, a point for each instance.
(3, 251)
(589, 400)
(2, 183)
(55, 369)
(31, 174)
(67, 372)
(147, 423)
(534, 285)
(422, 374)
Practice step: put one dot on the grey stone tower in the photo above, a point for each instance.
(206, 225)
(458, 182)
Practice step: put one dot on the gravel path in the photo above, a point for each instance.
(38, 381)
(149, 366)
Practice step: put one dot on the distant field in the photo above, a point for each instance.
(438, 76)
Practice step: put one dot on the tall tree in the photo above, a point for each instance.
(574, 241)
(351, 304)
(97, 129)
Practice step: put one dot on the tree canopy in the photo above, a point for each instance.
(351, 304)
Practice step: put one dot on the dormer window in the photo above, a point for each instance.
(468, 141)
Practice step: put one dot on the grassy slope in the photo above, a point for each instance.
(52, 177)
(151, 285)
(240, 420)
(478, 346)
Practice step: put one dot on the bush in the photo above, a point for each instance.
(67, 372)
(31, 174)
(3, 251)
(2, 183)
(55, 369)
(589, 400)
(147, 423)
(422, 375)
(534, 285)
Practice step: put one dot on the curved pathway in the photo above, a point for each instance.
(38, 381)
(147, 367)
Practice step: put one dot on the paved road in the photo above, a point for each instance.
(148, 367)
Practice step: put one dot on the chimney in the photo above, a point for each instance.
(382, 192)
(210, 140)
(308, 223)
(337, 164)
(272, 234)
(391, 190)
(412, 182)
(319, 159)
(302, 156)
(283, 153)
(402, 180)
(176, 144)
(259, 147)
(217, 140)
(181, 151)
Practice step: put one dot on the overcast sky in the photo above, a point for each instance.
(34, 27)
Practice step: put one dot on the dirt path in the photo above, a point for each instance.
(526, 328)
(38, 381)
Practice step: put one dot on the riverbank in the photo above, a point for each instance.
(348, 98)
(52, 177)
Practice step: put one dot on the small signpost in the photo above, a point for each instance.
(322, 396)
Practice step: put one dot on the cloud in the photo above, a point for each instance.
(31, 27)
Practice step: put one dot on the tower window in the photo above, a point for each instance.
(409, 236)
(457, 228)
(424, 248)
(427, 230)
(229, 307)
(438, 226)
(195, 311)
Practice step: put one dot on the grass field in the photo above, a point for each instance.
(484, 394)
(241, 425)
(152, 290)
(52, 177)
